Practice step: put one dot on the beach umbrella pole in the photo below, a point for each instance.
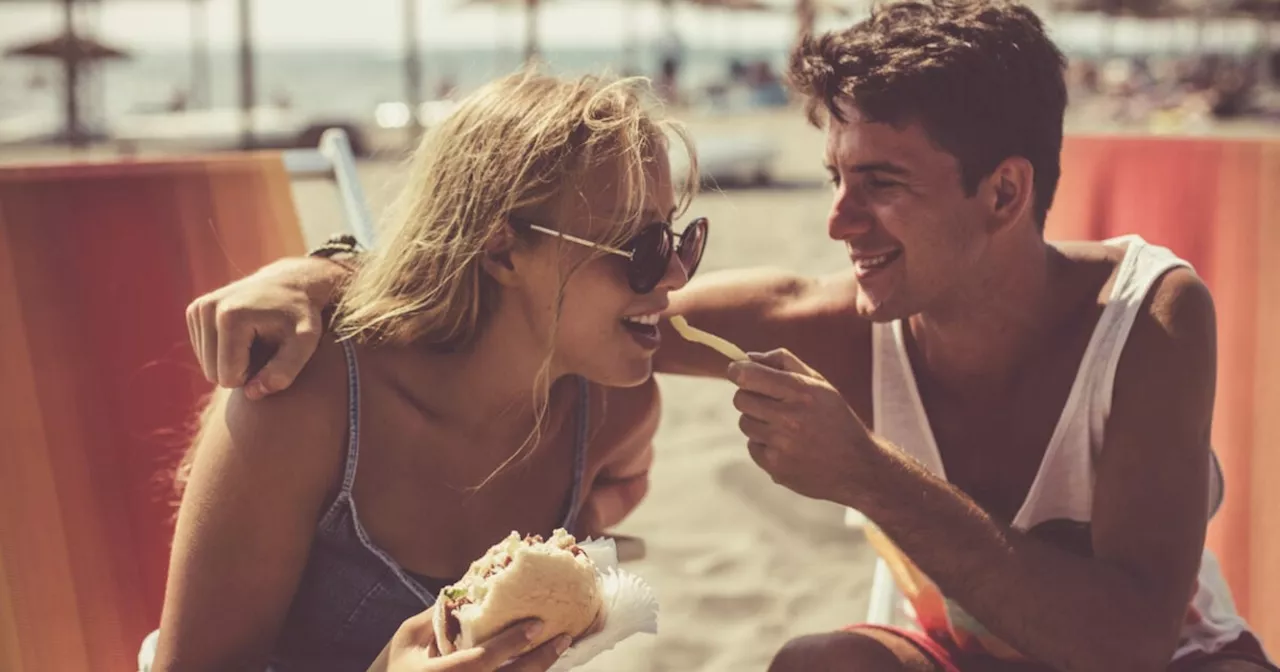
(412, 67)
(247, 85)
(530, 30)
(629, 65)
(201, 96)
(71, 78)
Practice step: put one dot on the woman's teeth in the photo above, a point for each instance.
(650, 319)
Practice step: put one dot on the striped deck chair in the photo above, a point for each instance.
(98, 387)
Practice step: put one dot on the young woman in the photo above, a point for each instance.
(457, 399)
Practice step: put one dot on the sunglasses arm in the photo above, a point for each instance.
(581, 241)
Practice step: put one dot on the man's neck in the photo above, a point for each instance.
(978, 334)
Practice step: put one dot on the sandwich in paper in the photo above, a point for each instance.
(520, 578)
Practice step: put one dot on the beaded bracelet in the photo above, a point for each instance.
(342, 243)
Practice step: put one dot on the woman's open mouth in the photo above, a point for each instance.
(644, 329)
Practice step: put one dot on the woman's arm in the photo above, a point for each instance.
(261, 473)
(629, 420)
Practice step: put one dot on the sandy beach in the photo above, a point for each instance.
(739, 564)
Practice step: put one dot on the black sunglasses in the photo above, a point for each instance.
(649, 252)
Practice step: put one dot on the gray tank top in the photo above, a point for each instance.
(353, 595)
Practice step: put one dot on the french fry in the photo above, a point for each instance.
(712, 341)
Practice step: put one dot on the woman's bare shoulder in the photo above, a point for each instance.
(300, 430)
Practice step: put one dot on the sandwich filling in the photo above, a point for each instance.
(470, 591)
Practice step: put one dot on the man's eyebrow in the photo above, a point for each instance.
(872, 167)
(880, 167)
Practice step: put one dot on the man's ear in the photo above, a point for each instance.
(496, 256)
(1010, 191)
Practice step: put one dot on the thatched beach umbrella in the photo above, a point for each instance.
(75, 52)
(67, 48)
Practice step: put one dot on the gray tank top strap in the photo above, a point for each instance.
(579, 451)
(345, 502)
(353, 595)
(353, 419)
(344, 498)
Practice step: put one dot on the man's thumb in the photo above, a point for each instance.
(783, 360)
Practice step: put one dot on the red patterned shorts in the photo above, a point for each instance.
(948, 659)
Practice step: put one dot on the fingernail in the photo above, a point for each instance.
(532, 630)
(562, 644)
(255, 390)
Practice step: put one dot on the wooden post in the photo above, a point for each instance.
(412, 68)
(248, 88)
(531, 51)
(71, 77)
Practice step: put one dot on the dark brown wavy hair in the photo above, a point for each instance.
(980, 76)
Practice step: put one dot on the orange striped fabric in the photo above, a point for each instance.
(1216, 203)
(97, 382)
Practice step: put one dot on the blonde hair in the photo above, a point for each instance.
(512, 147)
(516, 145)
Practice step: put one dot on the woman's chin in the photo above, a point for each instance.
(623, 372)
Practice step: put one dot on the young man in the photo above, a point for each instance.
(1025, 423)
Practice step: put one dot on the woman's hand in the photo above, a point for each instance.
(413, 649)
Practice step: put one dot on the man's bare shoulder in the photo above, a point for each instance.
(759, 310)
(1181, 304)
(1168, 365)
(1178, 299)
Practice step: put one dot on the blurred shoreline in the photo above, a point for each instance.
(390, 145)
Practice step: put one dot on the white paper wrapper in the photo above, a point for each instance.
(629, 607)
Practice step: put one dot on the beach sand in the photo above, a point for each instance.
(739, 564)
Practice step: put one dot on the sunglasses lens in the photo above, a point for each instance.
(651, 250)
(692, 242)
